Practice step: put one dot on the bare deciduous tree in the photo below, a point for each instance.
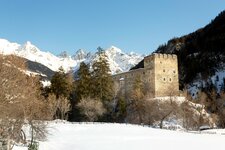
(20, 103)
(91, 108)
(164, 108)
(220, 103)
(58, 107)
(136, 102)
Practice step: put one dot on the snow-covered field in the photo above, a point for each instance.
(68, 136)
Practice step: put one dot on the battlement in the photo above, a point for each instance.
(159, 55)
(163, 56)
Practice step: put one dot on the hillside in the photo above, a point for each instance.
(200, 54)
(41, 69)
(86, 136)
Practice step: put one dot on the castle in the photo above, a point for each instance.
(159, 75)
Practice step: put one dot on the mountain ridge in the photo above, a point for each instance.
(118, 60)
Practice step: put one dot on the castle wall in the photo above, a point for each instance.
(159, 75)
(126, 80)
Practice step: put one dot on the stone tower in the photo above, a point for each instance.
(166, 75)
(160, 74)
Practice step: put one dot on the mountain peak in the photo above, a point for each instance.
(80, 54)
(118, 60)
(28, 43)
(63, 54)
(28, 46)
(114, 49)
(81, 51)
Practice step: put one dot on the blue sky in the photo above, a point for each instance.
(132, 25)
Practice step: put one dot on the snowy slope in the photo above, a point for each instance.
(118, 60)
(217, 80)
(8, 48)
(67, 136)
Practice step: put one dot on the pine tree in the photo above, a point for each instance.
(102, 81)
(61, 87)
(61, 84)
(83, 88)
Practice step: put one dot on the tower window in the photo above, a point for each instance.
(164, 70)
(170, 79)
(164, 79)
(174, 71)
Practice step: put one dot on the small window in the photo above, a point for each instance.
(170, 80)
(164, 70)
(160, 62)
(164, 79)
(143, 72)
(174, 71)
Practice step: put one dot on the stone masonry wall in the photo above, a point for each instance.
(159, 75)
(166, 75)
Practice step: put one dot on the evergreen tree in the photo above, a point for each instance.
(119, 114)
(83, 88)
(102, 81)
(61, 87)
(61, 84)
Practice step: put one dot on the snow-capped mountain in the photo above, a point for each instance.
(118, 60)
(7, 48)
(81, 55)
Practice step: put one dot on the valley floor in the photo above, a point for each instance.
(89, 136)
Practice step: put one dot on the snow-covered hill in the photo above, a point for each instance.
(118, 60)
(81, 136)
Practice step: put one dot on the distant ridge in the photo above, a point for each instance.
(118, 60)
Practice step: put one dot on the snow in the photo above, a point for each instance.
(118, 60)
(7, 48)
(217, 80)
(174, 98)
(46, 83)
(32, 53)
(109, 136)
